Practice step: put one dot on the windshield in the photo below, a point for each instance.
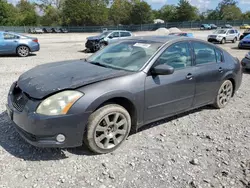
(126, 55)
(247, 37)
(104, 34)
(221, 31)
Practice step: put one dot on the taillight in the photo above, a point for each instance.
(35, 40)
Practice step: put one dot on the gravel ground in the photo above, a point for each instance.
(201, 148)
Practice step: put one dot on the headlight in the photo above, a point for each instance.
(59, 103)
(248, 55)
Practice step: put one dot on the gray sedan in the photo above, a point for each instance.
(13, 43)
(117, 90)
(246, 61)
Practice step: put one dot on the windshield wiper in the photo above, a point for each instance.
(99, 64)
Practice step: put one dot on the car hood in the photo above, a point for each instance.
(94, 38)
(47, 79)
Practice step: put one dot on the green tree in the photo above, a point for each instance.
(231, 12)
(141, 12)
(246, 15)
(120, 12)
(213, 15)
(51, 16)
(186, 12)
(8, 13)
(85, 12)
(168, 13)
(27, 13)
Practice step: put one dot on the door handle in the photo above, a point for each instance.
(189, 76)
(220, 70)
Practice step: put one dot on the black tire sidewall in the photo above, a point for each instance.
(95, 119)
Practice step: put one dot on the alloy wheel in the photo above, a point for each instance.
(23, 51)
(225, 93)
(111, 130)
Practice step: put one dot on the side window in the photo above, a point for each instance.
(177, 55)
(204, 53)
(8, 36)
(231, 32)
(125, 34)
(219, 56)
(115, 34)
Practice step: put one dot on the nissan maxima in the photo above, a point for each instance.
(100, 100)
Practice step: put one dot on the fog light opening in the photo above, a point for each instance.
(60, 138)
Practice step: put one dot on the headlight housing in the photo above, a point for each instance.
(59, 103)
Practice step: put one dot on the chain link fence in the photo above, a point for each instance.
(143, 27)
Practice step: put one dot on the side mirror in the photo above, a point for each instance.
(162, 69)
(110, 37)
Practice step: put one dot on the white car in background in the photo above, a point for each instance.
(224, 35)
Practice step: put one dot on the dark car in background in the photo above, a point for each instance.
(246, 61)
(246, 32)
(124, 86)
(63, 30)
(205, 27)
(245, 42)
(213, 26)
(15, 43)
(47, 30)
(96, 43)
(55, 30)
(183, 34)
(227, 26)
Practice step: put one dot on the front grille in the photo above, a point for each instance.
(19, 99)
(90, 44)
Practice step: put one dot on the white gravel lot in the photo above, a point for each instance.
(202, 148)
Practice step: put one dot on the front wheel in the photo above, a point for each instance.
(107, 128)
(224, 94)
(23, 51)
(223, 41)
(234, 41)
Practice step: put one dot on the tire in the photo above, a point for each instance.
(23, 51)
(102, 134)
(234, 41)
(102, 45)
(223, 41)
(224, 94)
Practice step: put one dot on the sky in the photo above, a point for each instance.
(202, 5)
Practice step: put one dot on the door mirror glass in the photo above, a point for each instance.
(110, 36)
(162, 69)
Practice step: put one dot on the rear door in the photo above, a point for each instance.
(209, 72)
(10, 42)
(231, 34)
(125, 34)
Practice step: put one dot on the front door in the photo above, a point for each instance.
(113, 37)
(166, 95)
(10, 42)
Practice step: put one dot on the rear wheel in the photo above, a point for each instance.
(23, 51)
(224, 94)
(107, 129)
